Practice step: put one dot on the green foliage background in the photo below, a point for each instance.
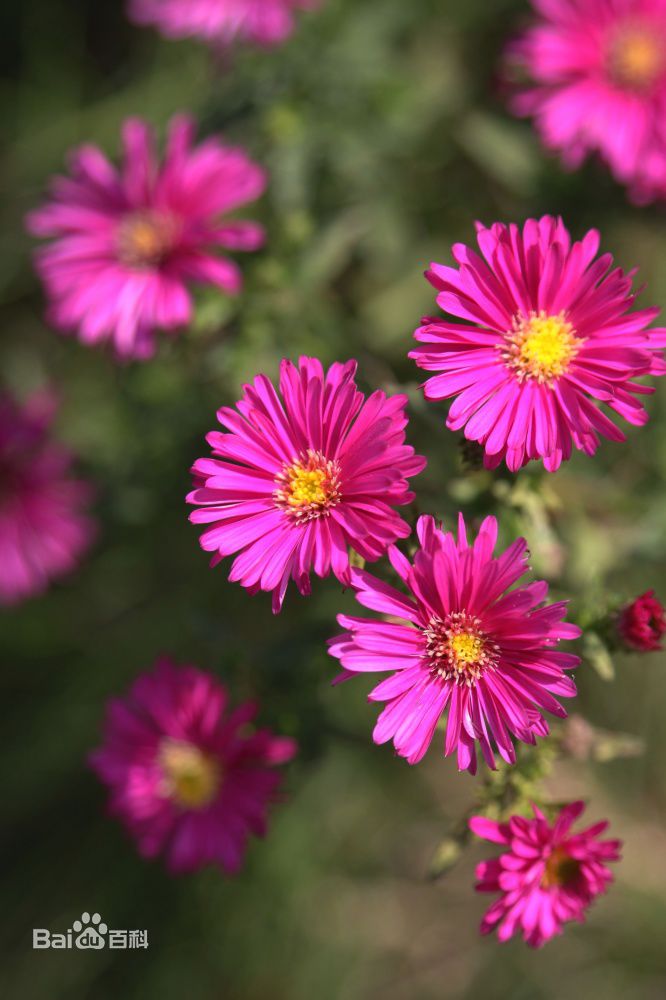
(385, 137)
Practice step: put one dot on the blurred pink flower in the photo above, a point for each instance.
(127, 244)
(597, 72)
(547, 876)
(488, 656)
(544, 334)
(187, 780)
(221, 22)
(642, 624)
(44, 525)
(298, 480)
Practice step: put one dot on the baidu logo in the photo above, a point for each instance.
(89, 933)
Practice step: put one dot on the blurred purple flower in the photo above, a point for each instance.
(127, 244)
(44, 525)
(186, 781)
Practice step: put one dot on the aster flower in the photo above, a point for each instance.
(44, 525)
(460, 642)
(302, 475)
(221, 22)
(126, 245)
(642, 624)
(542, 335)
(189, 780)
(597, 83)
(547, 876)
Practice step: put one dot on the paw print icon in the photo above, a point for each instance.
(89, 931)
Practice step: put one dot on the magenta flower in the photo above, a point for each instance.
(44, 525)
(547, 876)
(597, 83)
(641, 625)
(188, 781)
(488, 656)
(543, 334)
(221, 22)
(298, 480)
(127, 244)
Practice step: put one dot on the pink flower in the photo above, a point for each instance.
(221, 22)
(642, 624)
(300, 477)
(187, 782)
(44, 525)
(597, 72)
(543, 334)
(127, 244)
(488, 656)
(547, 876)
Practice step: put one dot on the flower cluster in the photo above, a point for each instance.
(540, 350)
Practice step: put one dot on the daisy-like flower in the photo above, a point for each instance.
(542, 335)
(221, 22)
(301, 476)
(127, 244)
(547, 876)
(45, 528)
(597, 83)
(641, 625)
(464, 644)
(189, 780)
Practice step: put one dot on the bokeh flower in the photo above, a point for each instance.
(542, 335)
(462, 643)
(221, 22)
(642, 624)
(189, 780)
(547, 876)
(127, 244)
(45, 527)
(597, 83)
(301, 476)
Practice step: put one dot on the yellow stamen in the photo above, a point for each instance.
(466, 648)
(458, 649)
(191, 776)
(541, 346)
(636, 58)
(309, 487)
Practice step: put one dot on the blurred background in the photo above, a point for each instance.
(383, 127)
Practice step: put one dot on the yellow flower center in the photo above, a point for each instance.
(561, 869)
(145, 239)
(309, 487)
(636, 58)
(466, 648)
(541, 346)
(457, 649)
(191, 777)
